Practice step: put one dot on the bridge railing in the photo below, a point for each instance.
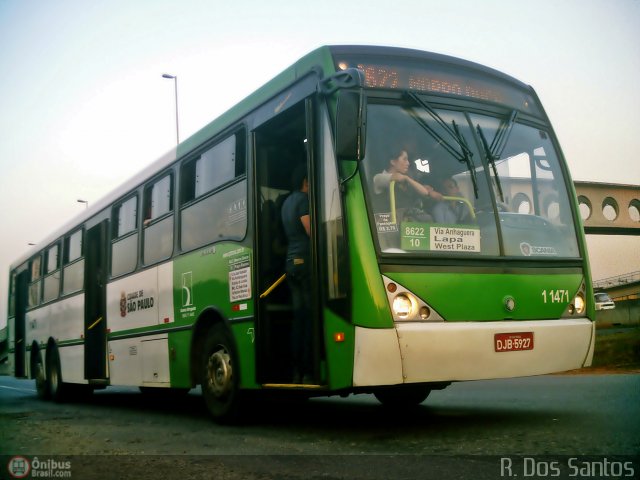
(618, 280)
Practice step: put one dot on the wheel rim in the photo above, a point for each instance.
(219, 372)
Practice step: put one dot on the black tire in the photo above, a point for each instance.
(402, 396)
(38, 372)
(58, 389)
(219, 375)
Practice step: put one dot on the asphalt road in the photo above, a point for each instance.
(484, 429)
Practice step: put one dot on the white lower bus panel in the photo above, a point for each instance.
(72, 363)
(140, 361)
(416, 352)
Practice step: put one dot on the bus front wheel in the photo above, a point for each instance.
(404, 396)
(219, 372)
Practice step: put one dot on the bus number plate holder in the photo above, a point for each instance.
(513, 342)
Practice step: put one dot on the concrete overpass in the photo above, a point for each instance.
(614, 209)
(625, 292)
(609, 208)
(621, 287)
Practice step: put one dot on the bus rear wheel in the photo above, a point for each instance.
(404, 396)
(57, 388)
(219, 373)
(39, 374)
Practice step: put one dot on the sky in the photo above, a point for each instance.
(83, 105)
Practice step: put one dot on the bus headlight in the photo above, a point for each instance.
(406, 306)
(577, 307)
(402, 306)
(579, 304)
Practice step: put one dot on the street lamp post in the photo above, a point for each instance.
(86, 202)
(175, 84)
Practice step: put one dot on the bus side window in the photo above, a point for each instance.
(124, 249)
(158, 222)
(73, 264)
(35, 285)
(52, 273)
(214, 195)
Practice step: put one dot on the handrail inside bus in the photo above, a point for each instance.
(392, 200)
(273, 286)
(95, 323)
(463, 200)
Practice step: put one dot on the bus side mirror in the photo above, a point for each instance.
(350, 125)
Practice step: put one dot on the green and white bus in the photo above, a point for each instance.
(174, 280)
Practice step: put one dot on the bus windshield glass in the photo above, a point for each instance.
(449, 182)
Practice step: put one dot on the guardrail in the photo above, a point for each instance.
(618, 280)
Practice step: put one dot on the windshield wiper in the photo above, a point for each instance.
(502, 135)
(447, 146)
(465, 156)
(494, 151)
(492, 160)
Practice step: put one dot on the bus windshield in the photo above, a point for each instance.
(449, 182)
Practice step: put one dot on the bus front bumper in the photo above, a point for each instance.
(432, 352)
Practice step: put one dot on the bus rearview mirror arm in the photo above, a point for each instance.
(350, 112)
(350, 125)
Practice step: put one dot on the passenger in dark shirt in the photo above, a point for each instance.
(297, 226)
(451, 211)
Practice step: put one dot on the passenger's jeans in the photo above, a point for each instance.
(299, 279)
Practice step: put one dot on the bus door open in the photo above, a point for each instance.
(280, 145)
(20, 292)
(95, 302)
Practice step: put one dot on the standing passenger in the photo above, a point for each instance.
(297, 227)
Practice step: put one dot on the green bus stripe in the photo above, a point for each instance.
(119, 336)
